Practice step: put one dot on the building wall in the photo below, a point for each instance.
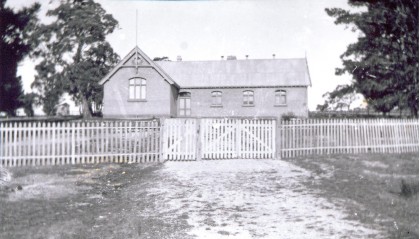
(159, 97)
(264, 102)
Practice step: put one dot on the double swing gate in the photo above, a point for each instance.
(191, 139)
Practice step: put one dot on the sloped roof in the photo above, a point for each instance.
(148, 60)
(238, 73)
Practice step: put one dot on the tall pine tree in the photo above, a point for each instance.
(384, 61)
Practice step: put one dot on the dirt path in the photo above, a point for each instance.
(205, 199)
(250, 199)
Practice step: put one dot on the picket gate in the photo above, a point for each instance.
(237, 138)
(179, 141)
(218, 138)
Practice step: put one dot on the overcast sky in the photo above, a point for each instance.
(206, 30)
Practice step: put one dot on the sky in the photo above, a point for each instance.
(207, 30)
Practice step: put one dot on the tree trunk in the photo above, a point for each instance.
(87, 114)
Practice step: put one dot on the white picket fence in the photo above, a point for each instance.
(191, 139)
(79, 142)
(327, 136)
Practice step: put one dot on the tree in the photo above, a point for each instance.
(341, 96)
(163, 58)
(28, 102)
(14, 46)
(74, 54)
(384, 61)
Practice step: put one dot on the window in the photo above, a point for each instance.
(216, 98)
(137, 89)
(248, 98)
(280, 97)
(184, 104)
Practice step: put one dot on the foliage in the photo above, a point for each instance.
(288, 116)
(163, 58)
(28, 101)
(15, 27)
(322, 107)
(384, 60)
(74, 54)
(341, 96)
(409, 189)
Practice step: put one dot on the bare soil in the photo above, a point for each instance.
(355, 196)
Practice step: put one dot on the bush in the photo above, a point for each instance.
(288, 116)
(409, 189)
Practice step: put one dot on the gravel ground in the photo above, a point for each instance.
(251, 199)
(203, 199)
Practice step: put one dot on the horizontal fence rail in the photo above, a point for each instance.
(41, 143)
(237, 138)
(78, 142)
(326, 136)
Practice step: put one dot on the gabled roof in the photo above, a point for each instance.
(238, 73)
(147, 59)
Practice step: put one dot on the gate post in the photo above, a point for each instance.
(198, 138)
(238, 143)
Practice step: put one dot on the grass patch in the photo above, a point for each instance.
(84, 201)
(380, 190)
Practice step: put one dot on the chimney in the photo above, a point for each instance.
(274, 56)
(229, 58)
(223, 57)
(178, 58)
(246, 57)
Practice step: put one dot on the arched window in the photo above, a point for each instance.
(248, 98)
(216, 98)
(184, 104)
(280, 97)
(137, 89)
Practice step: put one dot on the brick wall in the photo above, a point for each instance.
(264, 102)
(160, 98)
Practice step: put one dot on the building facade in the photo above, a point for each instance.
(141, 88)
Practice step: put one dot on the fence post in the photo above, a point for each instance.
(73, 143)
(162, 134)
(238, 128)
(198, 138)
(278, 138)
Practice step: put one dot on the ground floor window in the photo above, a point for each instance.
(184, 104)
(280, 97)
(216, 98)
(248, 98)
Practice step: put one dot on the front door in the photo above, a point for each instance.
(184, 104)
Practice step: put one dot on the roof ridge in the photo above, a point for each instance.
(277, 59)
